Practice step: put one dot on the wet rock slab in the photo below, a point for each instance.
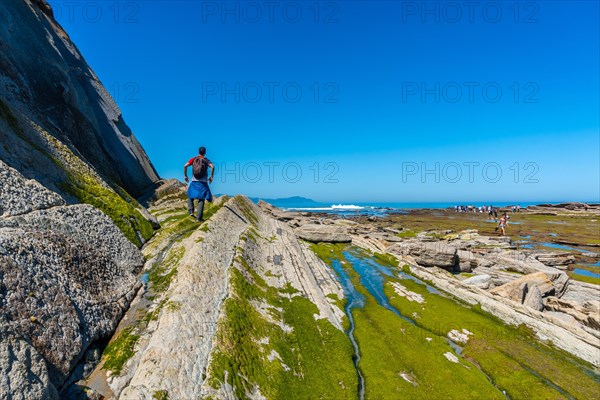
(323, 233)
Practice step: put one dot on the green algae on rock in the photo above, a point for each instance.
(401, 359)
(270, 341)
(511, 356)
(120, 350)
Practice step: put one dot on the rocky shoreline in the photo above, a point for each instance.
(183, 339)
(109, 290)
(520, 286)
(180, 326)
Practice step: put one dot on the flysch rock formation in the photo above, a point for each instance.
(70, 228)
(515, 288)
(67, 275)
(529, 288)
(575, 338)
(173, 353)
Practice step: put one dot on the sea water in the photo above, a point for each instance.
(381, 209)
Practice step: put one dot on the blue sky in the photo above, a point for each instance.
(387, 101)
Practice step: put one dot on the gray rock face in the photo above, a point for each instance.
(581, 292)
(67, 274)
(555, 259)
(164, 189)
(285, 216)
(547, 284)
(435, 255)
(26, 375)
(561, 283)
(19, 195)
(533, 299)
(587, 313)
(149, 217)
(323, 233)
(45, 82)
(480, 281)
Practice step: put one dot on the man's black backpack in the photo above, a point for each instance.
(199, 167)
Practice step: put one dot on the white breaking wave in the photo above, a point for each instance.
(309, 208)
(346, 207)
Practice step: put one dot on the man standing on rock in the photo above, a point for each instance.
(199, 189)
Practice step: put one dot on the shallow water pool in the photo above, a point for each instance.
(585, 272)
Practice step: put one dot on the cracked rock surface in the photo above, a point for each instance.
(67, 274)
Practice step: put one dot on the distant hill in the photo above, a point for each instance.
(295, 201)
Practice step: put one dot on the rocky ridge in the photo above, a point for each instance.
(180, 343)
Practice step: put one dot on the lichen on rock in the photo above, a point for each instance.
(67, 275)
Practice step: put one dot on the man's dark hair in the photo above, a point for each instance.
(202, 151)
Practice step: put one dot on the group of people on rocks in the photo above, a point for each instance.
(473, 209)
(481, 209)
